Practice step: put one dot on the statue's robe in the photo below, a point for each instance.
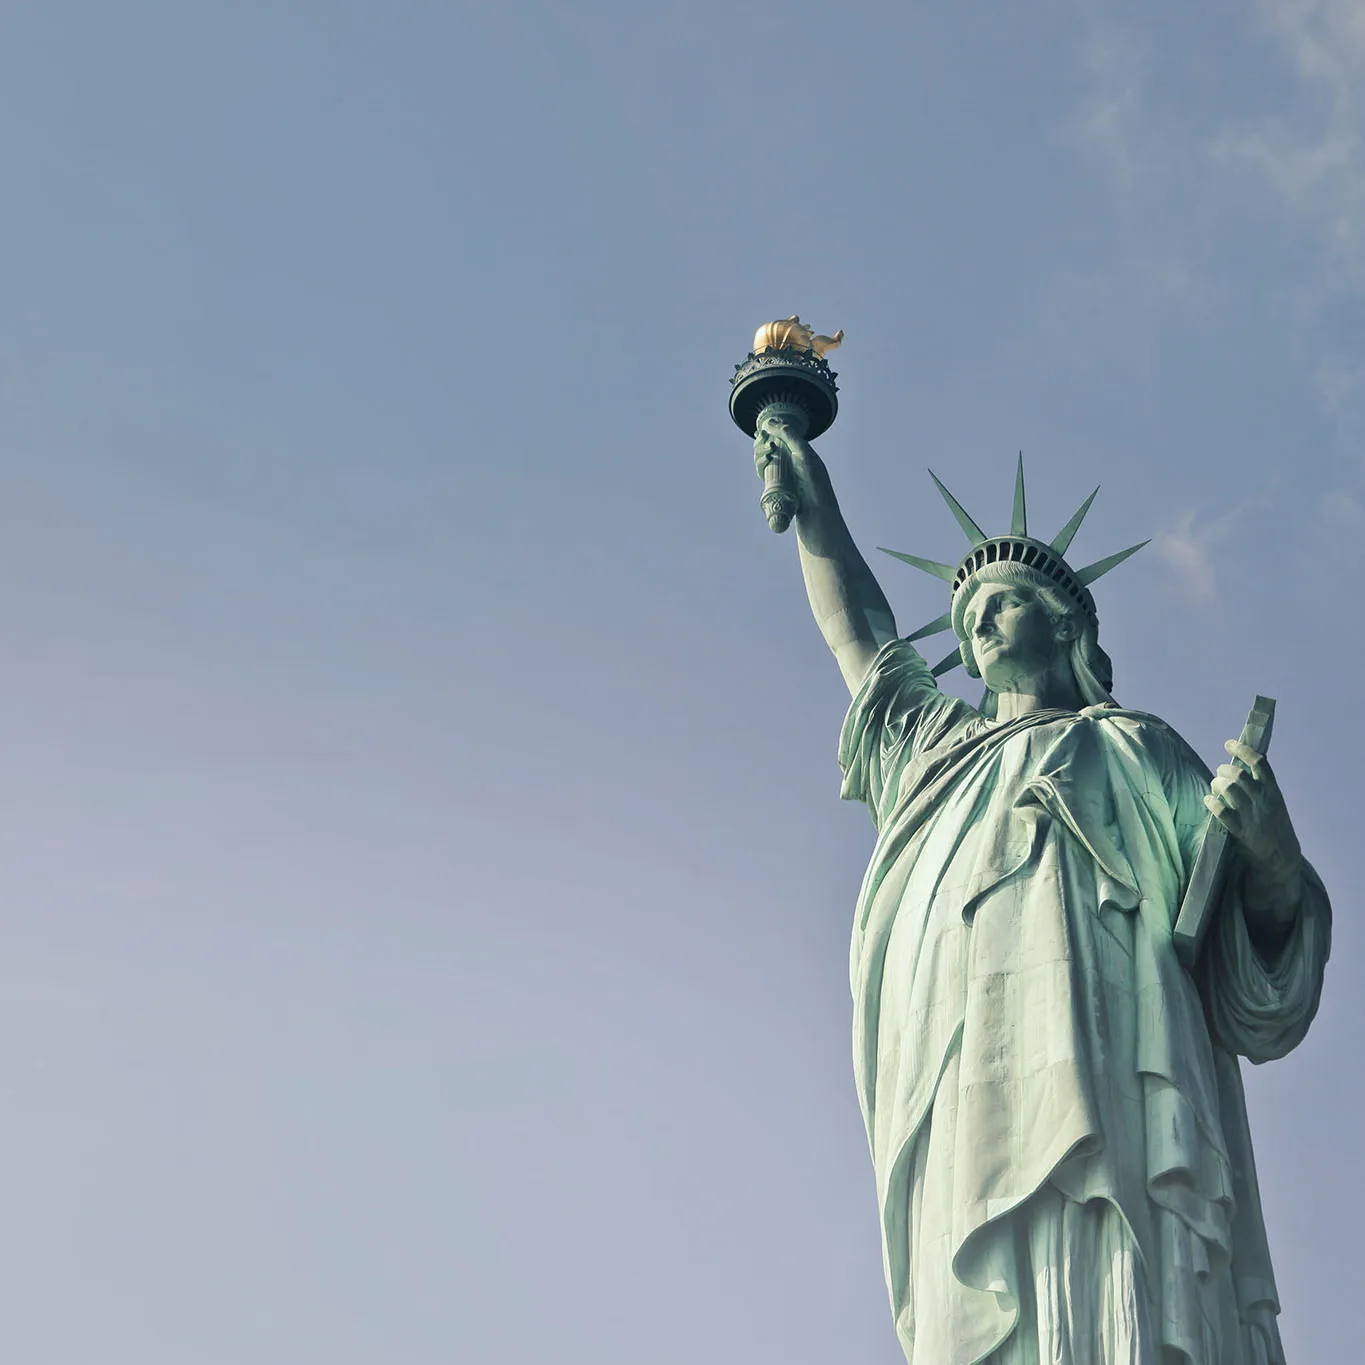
(1053, 1103)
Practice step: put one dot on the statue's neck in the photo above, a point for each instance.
(1054, 690)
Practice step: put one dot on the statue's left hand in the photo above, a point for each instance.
(1246, 800)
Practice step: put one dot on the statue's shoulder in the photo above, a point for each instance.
(1125, 716)
(1157, 736)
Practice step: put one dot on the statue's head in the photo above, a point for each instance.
(1018, 607)
(1017, 626)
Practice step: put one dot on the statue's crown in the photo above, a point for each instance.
(1035, 560)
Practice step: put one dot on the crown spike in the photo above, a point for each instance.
(1086, 576)
(1062, 540)
(938, 624)
(943, 571)
(947, 664)
(1019, 518)
(974, 533)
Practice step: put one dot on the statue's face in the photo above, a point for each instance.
(1012, 636)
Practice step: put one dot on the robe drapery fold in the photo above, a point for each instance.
(1027, 1044)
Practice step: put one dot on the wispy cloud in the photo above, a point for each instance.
(1339, 381)
(1142, 152)
(1345, 512)
(1341, 526)
(1312, 159)
(1189, 549)
(1314, 162)
(1175, 169)
(1110, 121)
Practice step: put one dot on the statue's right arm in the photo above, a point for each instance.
(847, 601)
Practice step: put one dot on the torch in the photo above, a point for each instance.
(785, 375)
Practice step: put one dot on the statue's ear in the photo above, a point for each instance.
(1068, 628)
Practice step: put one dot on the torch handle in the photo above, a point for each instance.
(779, 496)
(779, 501)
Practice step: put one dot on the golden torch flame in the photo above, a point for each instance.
(791, 334)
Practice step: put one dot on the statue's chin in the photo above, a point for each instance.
(1004, 670)
(999, 679)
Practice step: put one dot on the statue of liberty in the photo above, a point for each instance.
(1053, 1102)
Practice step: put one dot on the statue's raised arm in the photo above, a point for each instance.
(784, 396)
(845, 597)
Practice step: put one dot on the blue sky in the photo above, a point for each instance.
(426, 891)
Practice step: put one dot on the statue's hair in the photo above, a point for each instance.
(1090, 665)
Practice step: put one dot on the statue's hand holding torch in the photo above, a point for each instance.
(784, 395)
(783, 461)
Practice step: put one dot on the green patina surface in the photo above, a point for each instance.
(1052, 1097)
